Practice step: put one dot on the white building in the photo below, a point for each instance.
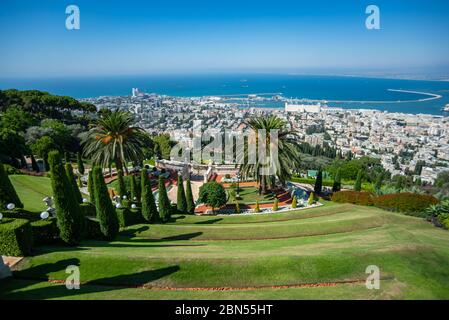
(311, 108)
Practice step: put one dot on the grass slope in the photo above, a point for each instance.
(195, 258)
(32, 190)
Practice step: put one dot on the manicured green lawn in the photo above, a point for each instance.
(334, 243)
(249, 195)
(32, 190)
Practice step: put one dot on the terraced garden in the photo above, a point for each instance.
(319, 253)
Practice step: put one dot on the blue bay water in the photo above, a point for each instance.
(295, 86)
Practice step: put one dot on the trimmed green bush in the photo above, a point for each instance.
(73, 182)
(336, 187)
(319, 183)
(276, 205)
(181, 201)
(135, 189)
(88, 209)
(80, 163)
(121, 186)
(409, 203)
(149, 209)
(311, 199)
(68, 211)
(163, 201)
(189, 197)
(93, 229)
(257, 208)
(129, 217)
(19, 213)
(45, 231)
(90, 187)
(16, 237)
(294, 202)
(7, 192)
(105, 210)
(354, 197)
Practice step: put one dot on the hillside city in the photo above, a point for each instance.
(402, 141)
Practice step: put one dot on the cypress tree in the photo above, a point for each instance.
(121, 186)
(80, 182)
(163, 201)
(319, 183)
(7, 192)
(90, 187)
(189, 197)
(337, 181)
(276, 205)
(149, 209)
(68, 211)
(181, 201)
(237, 207)
(133, 188)
(257, 208)
(358, 182)
(80, 163)
(294, 202)
(311, 199)
(106, 214)
(71, 177)
(34, 165)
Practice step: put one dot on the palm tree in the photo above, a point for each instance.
(113, 138)
(287, 148)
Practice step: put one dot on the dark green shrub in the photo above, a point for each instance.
(7, 192)
(181, 201)
(80, 163)
(19, 213)
(408, 203)
(354, 197)
(88, 209)
(44, 231)
(93, 229)
(189, 197)
(105, 210)
(319, 183)
(9, 169)
(128, 217)
(212, 194)
(121, 186)
(68, 211)
(90, 187)
(149, 209)
(16, 237)
(73, 182)
(135, 188)
(336, 186)
(358, 181)
(165, 208)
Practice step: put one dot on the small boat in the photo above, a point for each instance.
(446, 108)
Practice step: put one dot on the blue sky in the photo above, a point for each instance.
(144, 37)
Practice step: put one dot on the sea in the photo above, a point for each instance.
(341, 91)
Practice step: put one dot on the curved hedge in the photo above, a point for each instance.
(19, 213)
(16, 237)
(354, 197)
(409, 203)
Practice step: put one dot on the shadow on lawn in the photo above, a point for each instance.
(40, 273)
(211, 221)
